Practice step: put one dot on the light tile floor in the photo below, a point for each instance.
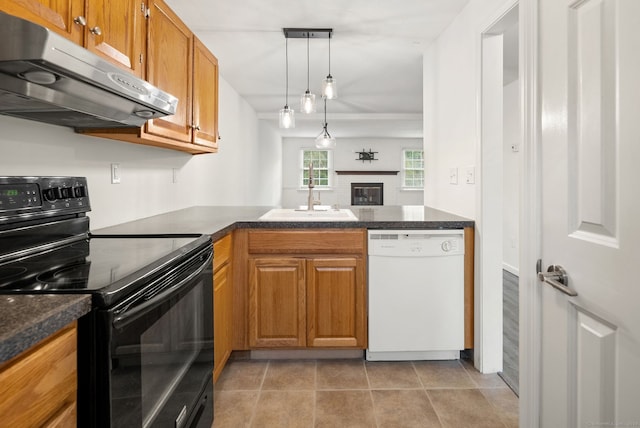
(358, 393)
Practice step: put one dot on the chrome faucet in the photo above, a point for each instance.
(310, 201)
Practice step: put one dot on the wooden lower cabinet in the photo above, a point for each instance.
(336, 304)
(222, 304)
(39, 386)
(277, 302)
(315, 302)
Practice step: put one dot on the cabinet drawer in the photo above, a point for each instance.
(40, 384)
(317, 241)
(221, 251)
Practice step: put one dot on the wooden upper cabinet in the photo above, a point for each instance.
(147, 39)
(205, 96)
(170, 50)
(181, 64)
(116, 32)
(113, 30)
(57, 15)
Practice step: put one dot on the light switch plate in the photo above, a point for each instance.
(453, 175)
(115, 173)
(470, 175)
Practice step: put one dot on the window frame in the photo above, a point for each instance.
(302, 168)
(405, 169)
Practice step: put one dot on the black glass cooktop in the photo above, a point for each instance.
(94, 265)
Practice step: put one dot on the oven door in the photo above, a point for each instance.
(159, 352)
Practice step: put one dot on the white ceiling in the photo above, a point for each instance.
(376, 58)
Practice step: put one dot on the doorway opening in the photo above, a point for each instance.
(500, 190)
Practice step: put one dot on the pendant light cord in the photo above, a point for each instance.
(286, 60)
(329, 54)
(307, 62)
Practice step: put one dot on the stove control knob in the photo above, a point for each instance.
(51, 194)
(79, 192)
(66, 192)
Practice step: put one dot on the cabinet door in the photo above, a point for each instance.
(276, 302)
(39, 386)
(57, 15)
(221, 319)
(205, 95)
(336, 302)
(169, 67)
(115, 32)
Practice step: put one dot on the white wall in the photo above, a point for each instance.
(344, 158)
(229, 177)
(452, 95)
(511, 173)
(451, 70)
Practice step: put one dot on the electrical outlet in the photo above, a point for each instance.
(453, 175)
(470, 175)
(115, 173)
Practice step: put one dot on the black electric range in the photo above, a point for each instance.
(145, 350)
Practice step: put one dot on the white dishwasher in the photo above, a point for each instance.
(416, 294)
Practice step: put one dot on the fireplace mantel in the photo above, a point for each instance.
(342, 172)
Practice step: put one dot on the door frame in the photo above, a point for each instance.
(530, 207)
(488, 302)
(530, 217)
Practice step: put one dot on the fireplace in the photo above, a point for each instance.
(367, 193)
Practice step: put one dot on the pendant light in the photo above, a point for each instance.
(329, 88)
(287, 118)
(308, 100)
(325, 140)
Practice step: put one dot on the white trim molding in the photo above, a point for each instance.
(530, 218)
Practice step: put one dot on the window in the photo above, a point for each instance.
(413, 169)
(321, 164)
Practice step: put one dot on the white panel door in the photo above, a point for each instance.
(590, 151)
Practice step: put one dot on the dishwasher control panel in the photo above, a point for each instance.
(416, 243)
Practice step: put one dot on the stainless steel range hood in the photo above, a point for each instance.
(47, 78)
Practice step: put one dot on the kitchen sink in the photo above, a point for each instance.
(292, 214)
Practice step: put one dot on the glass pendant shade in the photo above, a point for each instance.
(329, 88)
(325, 141)
(308, 102)
(287, 118)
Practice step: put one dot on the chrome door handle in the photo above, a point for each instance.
(556, 277)
(96, 31)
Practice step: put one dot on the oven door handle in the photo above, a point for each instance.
(128, 315)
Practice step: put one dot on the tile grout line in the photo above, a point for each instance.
(473, 381)
(499, 411)
(255, 406)
(315, 393)
(426, 391)
(373, 405)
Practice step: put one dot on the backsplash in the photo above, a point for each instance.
(147, 187)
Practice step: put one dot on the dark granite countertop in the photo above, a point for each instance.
(27, 319)
(217, 221)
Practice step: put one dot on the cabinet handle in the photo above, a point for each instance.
(96, 31)
(196, 127)
(80, 20)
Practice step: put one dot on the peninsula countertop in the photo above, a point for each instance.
(217, 221)
(26, 319)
